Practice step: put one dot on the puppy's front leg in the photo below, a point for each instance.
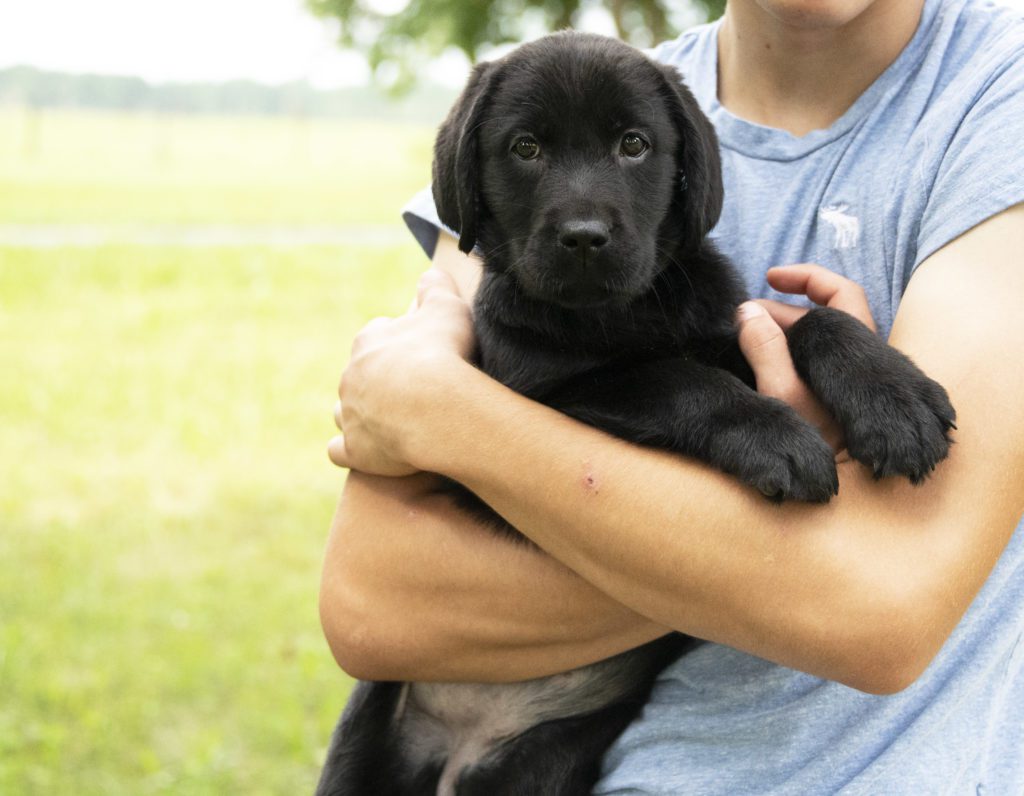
(896, 420)
(705, 412)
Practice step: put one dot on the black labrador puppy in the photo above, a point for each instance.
(588, 178)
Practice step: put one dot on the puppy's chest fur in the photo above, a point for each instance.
(536, 347)
(459, 725)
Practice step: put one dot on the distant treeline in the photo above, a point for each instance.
(37, 88)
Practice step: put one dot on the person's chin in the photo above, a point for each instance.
(815, 14)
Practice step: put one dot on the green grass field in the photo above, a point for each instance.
(63, 166)
(164, 491)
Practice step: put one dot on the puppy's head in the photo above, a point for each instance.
(578, 166)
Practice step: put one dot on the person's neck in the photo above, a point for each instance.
(799, 78)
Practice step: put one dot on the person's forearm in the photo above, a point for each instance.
(416, 589)
(832, 590)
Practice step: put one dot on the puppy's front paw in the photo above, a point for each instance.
(901, 426)
(781, 455)
(896, 420)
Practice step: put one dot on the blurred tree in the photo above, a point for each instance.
(401, 33)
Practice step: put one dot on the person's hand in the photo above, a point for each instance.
(762, 327)
(400, 368)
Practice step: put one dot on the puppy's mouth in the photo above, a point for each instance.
(607, 282)
(587, 298)
(577, 297)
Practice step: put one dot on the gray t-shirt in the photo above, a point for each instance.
(932, 148)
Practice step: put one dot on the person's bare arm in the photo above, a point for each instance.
(415, 588)
(419, 588)
(863, 591)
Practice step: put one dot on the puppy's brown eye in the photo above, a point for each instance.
(633, 146)
(526, 148)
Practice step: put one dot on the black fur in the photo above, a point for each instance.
(602, 297)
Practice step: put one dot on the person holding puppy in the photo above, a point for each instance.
(868, 645)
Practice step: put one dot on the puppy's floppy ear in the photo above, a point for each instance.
(700, 166)
(457, 161)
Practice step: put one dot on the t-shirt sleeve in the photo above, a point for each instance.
(420, 216)
(981, 171)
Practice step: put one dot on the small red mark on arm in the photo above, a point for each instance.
(589, 481)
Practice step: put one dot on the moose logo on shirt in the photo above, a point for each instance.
(845, 226)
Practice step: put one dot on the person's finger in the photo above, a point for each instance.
(816, 282)
(823, 287)
(337, 453)
(785, 315)
(337, 415)
(763, 343)
(434, 279)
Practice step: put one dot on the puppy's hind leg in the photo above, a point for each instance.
(896, 419)
(557, 758)
(364, 757)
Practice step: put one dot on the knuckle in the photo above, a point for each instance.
(441, 298)
(370, 328)
(431, 278)
(447, 306)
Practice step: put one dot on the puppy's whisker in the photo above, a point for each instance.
(508, 244)
(669, 254)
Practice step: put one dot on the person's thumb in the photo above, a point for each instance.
(434, 279)
(763, 344)
(337, 452)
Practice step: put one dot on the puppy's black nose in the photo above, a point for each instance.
(583, 235)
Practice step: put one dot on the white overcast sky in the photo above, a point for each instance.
(266, 40)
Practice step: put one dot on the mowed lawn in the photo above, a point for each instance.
(164, 490)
